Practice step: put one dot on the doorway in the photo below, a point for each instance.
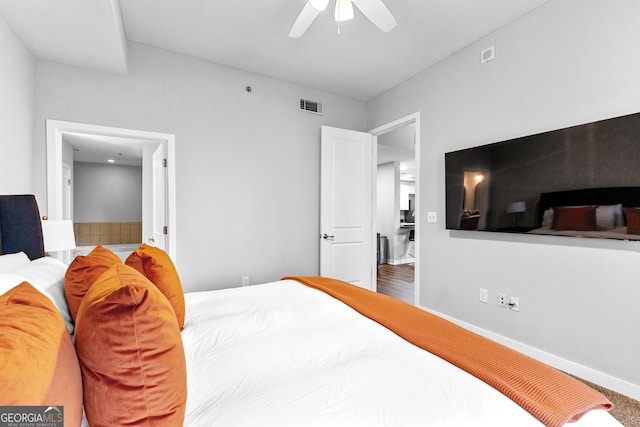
(398, 152)
(149, 142)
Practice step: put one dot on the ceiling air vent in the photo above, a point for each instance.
(311, 106)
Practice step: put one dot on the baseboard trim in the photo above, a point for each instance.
(616, 384)
(401, 261)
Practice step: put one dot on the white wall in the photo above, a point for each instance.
(568, 62)
(16, 110)
(107, 193)
(247, 163)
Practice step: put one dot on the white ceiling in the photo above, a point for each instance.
(85, 33)
(100, 148)
(362, 62)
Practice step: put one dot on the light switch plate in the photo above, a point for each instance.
(432, 217)
(483, 295)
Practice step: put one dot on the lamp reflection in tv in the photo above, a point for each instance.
(517, 209)
(470, 212)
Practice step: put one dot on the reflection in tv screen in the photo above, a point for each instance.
(581, 181)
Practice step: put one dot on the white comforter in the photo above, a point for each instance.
(283, 354)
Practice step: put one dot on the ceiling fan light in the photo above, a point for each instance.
(344, 10)
(319, 4)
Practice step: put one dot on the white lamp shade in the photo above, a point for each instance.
(516, 207)
(58, 235)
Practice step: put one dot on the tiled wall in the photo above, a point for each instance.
(107, 233)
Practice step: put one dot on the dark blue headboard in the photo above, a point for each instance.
(20, 226)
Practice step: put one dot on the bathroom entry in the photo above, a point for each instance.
(156, 199)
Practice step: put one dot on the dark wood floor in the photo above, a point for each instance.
(397, 281)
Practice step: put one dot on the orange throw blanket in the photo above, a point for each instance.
(550, 395)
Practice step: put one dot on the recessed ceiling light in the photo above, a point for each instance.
(111, 161)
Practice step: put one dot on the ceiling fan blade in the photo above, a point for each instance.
(377, 13)
(304, 20)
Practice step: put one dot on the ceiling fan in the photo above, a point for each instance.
(375, 10)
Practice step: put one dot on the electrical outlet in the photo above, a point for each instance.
(483, 295)
(245, 281)
(502, 300)
(514, 303)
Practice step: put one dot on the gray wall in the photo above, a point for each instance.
(247, 164)
(567, 62)
(388, 204)
(17, 91)
(107, 193)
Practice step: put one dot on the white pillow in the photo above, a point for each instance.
(11, 262)
(606, 217)
(619, 215)
(547, 218)
(9, 281)
(46, 274)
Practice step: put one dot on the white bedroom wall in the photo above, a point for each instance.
(566, 63)
(247, 163)
(16, 109)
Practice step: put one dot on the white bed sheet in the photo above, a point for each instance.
(283, 354)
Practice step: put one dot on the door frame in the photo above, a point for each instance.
(158, 165)
(54, 130)
(380, 130)
(67, 194)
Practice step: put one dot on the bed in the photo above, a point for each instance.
(301, 351)
(607, 212)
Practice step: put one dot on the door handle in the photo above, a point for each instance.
(326, 236)
(151, 239)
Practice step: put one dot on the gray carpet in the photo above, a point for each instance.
(625, 409)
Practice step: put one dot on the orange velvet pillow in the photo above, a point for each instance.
(155, 265)
(82, 272)
(38, 363)
(131, 354)
(633, 220)
(580, 219)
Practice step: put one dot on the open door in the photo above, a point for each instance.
(159, 231)
(347, 250)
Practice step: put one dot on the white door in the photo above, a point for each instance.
(159, 194)
(347, 250)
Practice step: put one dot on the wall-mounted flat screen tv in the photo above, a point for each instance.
(581, 181)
